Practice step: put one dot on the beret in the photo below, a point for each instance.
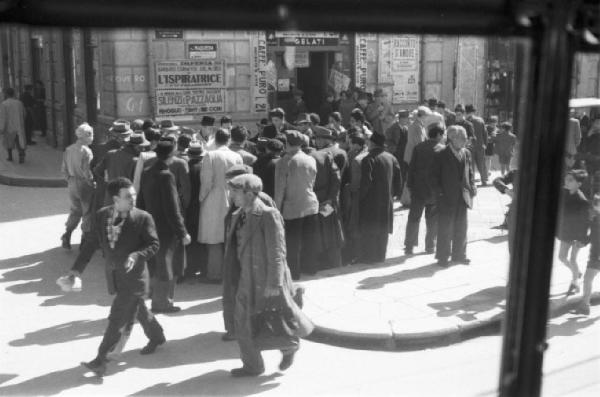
(246, 182)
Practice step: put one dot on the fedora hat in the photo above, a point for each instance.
(121, 127)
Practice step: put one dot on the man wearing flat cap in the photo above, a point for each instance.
(295, 175)
(380, 181)
(159, 197)
(255, 243)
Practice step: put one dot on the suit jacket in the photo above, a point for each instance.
(159, 197)
(416, 135)
(419, 170)
(264, 168)
(295, 176)
(452, 179)
(328, 180)
(396, 138)
(479, 131)
(138, 240)
(180, 170)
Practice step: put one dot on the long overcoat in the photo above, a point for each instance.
(159, 197)
(214, 199)
(12, 123)
(380, 182)
(138, 239)
(261, 257)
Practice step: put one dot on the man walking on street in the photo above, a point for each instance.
(80, 181)
(454, 187)
(12, 125)
(421, 193)
(128, 239)
(255, 244)
(479, 143)
(380, 182)
(159, 198)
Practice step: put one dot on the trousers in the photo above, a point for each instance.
(452, 231)
(123, 312)
(479, 161)
(214, 267)
(81, 197)
(411, 239)
(302, 245)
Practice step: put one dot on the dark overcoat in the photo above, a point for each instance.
(159, 197)
(138, 239)
(380, 181)
(452, 180)
(193, 210)
(419, 171)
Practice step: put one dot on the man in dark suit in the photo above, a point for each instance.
(264, 167)
(159, 197)
(479, 143)
(380, 181)
(421, 194)
(454, 187)
(128, 239)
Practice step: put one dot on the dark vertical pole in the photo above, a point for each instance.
(542, 142)
(90, 78)
(68, 67)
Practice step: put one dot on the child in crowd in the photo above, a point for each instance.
(573, 223)
(504, 146)
(593, 266)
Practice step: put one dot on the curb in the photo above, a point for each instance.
(429, 339)
(31, 182)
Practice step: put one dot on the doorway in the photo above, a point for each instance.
(313, 79)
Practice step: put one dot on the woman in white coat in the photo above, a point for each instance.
(214, 201)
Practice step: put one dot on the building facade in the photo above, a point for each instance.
(100, 75)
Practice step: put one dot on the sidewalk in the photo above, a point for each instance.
(41, 167)
(412, 303)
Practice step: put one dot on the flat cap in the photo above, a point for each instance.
(322, 132)
(246, 182)
(238, 169)
(377, 139)
(275, 145)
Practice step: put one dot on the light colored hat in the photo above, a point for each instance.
(247, 182)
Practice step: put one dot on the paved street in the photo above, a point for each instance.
(47, 333)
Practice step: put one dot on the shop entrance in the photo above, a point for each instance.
(313, 79)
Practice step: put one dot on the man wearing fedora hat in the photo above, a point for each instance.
(206, 133)
(118, 162)
(380, 181)
(168, 127)
(327, 188)
(380, 113)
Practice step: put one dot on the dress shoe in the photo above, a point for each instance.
(462, 261)
(583, 309)
(443, 262)
(287, 360)
(227, 337)
(152, 345)
(241, 372)
(430, 250)
(97, 366)
(573, 289)
(170, 309)
(66, 241)
(408, 251)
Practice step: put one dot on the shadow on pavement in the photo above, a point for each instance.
(6, 377)
(212, 384)
(467, 307)
(355, 268)
(403, 275)
(499, 239)
(201, 348)
(570, 327)
(75, 330)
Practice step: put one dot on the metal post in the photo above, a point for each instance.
(543, 139)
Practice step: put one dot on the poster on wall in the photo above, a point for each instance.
(360, 76)
(399, 65)
(338, 81)
(189, 87)
(174, 103)
(260, 88)
(202, 51)
(190, 73)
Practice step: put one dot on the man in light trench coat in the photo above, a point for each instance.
(255, 240)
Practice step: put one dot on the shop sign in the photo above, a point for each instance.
(360, 76)
(169, 34)
(173, 103)
(202, 51)
(260, 73)
(188, 74)
(302, 59)
(302, 39)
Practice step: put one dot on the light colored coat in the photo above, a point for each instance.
(294, 181)
(12, 123)
(416, 135)
(214, 198)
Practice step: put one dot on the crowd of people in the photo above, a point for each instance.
(256, 210)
